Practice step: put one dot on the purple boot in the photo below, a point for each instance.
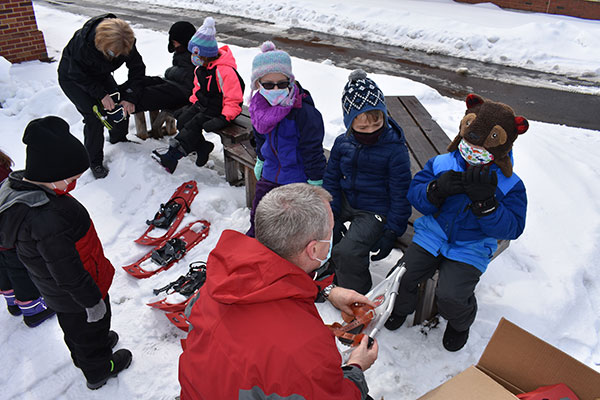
(35, 311)
(9, 296)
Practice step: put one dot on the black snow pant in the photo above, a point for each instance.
(350, 255)
(455, 290)
(14, 275)
(93, 129)
(189, 123)
(156, 93)
(88, 342)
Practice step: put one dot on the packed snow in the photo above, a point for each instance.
(546, 281)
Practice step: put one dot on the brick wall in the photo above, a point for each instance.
(589, 9)
(20, 39)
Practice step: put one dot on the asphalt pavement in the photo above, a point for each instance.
(538, 96)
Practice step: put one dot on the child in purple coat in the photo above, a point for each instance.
(288, 128)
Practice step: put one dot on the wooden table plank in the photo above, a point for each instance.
(432, 131)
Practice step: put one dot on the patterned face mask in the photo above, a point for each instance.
(274, 96)
(474, 155)
(196, 60)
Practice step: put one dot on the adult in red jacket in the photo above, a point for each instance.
(56, 241)
(256, 333)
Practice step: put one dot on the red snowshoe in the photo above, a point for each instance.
(167, 252)
(186, 285)
(170, 214)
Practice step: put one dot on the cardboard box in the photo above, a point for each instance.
(515, 361)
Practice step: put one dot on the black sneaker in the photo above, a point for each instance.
(168, 162)
(14, 310)
(36, 319)
(203, 153)
(120, 360)
(99, 171)
(394, 322)
(454, 340)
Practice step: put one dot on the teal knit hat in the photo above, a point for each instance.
(270, 60)
(203, 43)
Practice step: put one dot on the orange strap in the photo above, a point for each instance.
(362, 315)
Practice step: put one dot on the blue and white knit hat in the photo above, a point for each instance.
(203, 43)
(360, 95)
(270, 60)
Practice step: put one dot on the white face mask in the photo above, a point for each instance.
(275, 96)
(474, 155)
(330, 241)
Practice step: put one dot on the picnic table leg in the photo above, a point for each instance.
(140, 125)
(426, 300)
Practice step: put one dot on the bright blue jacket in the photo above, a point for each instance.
(293, 150)
(453, 230)
(373, 178)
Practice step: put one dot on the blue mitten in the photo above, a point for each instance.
(258, 168)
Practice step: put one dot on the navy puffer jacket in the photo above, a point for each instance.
(373, 178)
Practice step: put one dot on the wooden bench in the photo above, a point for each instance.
(425, 139)
(157, 120)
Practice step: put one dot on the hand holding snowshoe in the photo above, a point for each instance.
(363, 355)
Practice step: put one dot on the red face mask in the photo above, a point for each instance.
(70, 186)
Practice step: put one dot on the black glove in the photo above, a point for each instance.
(480, 186)
(448, 184)
(384, 245)
(215, 124)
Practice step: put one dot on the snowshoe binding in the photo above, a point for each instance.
(110, 118)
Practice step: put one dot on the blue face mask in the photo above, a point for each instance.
(330, 241)
(275, 96)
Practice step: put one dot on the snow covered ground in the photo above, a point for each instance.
(546, 281)
(541, 42)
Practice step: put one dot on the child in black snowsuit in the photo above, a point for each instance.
(174, 90)
(216, 99)
(21, 295)
(57, 242)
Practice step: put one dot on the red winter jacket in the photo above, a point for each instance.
(218, 88)
(56, 241)
(256, 331)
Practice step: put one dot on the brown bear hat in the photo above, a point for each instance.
(492, 126)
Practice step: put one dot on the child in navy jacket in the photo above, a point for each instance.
(368, 176)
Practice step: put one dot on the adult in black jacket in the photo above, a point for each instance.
(56, 241)
(101, 46)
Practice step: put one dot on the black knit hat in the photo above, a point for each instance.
(181, 31)
(53, 154)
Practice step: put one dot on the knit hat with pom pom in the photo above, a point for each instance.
(270, 60)
(203, 43)
(360, 95)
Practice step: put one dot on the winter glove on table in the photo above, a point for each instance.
(448, 184)
(258, 168)
(480, 185)
(215, 124)
(384, 245)
(96, 313)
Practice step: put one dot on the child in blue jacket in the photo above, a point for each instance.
(470, 198)
(368, 175)
(287, 127)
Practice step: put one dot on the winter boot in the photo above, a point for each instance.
(394, 322)
(169, 159)
(120, 360)
(9, 296)
(35, 311)
(454, 340)
(202, 153)
(99, 171)
(113, 339)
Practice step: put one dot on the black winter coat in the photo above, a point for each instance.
(86, 66)
(56, 241)
(181, 73)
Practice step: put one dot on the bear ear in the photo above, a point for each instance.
(473, 100)
(521, 124)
